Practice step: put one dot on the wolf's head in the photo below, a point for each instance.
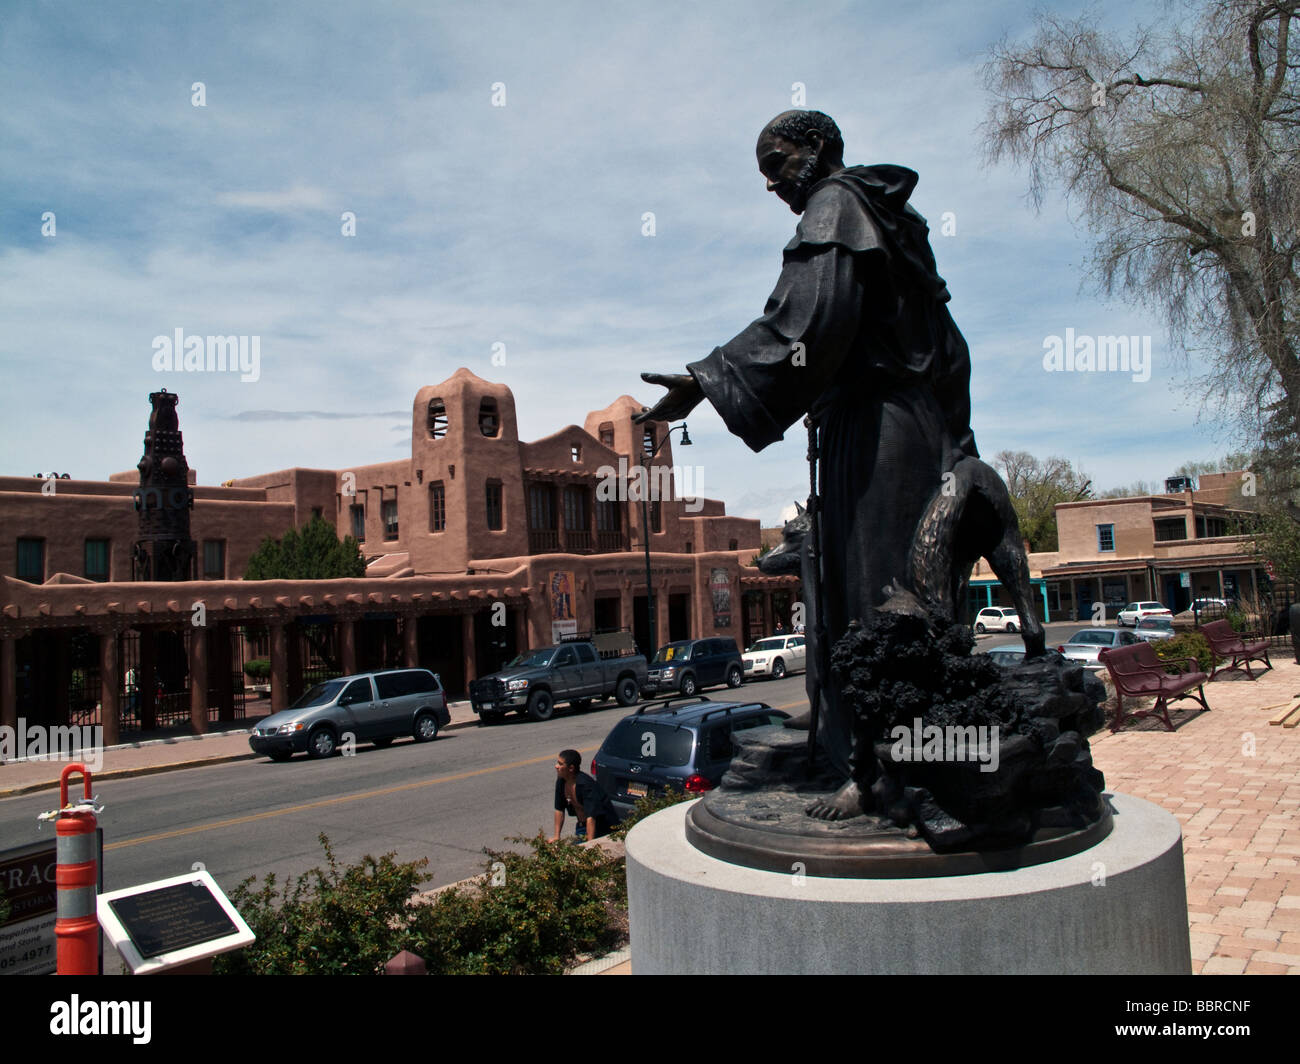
(786, 557)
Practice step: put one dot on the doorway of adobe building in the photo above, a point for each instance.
(641, 627)
(679, 616)
(440, 649)
(494, 644)
(753, 617)
(379, 643)
(608, 614)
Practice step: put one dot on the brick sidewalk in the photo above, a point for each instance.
(1238, 808)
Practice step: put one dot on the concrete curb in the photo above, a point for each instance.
(127, 773)
(171, 766)
(600, 965)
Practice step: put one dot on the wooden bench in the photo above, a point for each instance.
(1138, 673)
(1226, 643)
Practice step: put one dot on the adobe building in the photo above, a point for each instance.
(1170, 548)
(478, 545)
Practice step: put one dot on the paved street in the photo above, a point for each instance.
(445, 800)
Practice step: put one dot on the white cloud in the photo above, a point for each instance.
(299, 197)
(478, 224)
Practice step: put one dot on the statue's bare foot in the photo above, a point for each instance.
(800, 723)
(844, 804)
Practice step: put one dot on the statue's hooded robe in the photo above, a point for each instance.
(857, 333)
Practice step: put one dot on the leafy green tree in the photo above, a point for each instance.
(1036, 487)
(315, 553)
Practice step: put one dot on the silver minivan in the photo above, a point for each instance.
(374, 707)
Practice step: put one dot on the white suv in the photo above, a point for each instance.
(1129, 616)
(997, 619)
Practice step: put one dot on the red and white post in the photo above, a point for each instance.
(76, 928)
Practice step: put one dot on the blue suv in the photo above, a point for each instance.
(679, 743)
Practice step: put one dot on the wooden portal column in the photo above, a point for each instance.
(348, 645)
(521, 628)
(8, 681)
(110, 687)
(62, 674)
(147, 679)
(410, 641)
(661, 615)
(199, 679)
(221, 659)
(293, 644)
(469, 647)
(279, 667)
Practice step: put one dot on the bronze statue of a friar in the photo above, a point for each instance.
(857, 339)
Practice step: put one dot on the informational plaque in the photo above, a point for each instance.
(172, 922)
(172, 918)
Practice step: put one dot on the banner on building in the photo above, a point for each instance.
(564, 621)
(720, 589)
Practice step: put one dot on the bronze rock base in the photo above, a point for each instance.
(770, 831)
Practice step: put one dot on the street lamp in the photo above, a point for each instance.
(647, 456)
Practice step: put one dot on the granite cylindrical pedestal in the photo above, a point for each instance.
(1117, 908)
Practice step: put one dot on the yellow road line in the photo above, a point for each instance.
(235, 821)
(251, 818)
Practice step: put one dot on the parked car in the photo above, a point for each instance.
(997, 619)
(1129, 616)
(1216, 606)
(572, 672)
(1154, 629)
(691, 665)
(680, 744)
(776, 656)
(374, 707)
(1085, 645)
(1007, 656)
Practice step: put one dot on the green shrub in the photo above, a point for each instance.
(533, 913)
(329, 922)
(258, 669)
(1186, 645)
(651, 803)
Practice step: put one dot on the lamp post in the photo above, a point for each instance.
(646, 458)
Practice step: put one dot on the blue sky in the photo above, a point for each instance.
(519, 225)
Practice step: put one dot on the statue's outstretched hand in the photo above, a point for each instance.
(684, 395)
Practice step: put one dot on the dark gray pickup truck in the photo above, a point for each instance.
(574, 672)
